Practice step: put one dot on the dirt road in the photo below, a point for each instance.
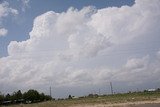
(155, 103)
(144, 105)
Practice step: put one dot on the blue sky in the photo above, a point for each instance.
(79, 45)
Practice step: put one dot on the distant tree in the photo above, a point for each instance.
(31, 95)
(42, 97)
(7, 97)
(90, 95)
(19, 94)
(1, 98)
(69, 97)
(145, 91)
(16, 96)
(158, 89)
(48, 97)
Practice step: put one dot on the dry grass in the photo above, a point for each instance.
(101, 101)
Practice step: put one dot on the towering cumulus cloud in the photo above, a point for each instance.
(61, 43)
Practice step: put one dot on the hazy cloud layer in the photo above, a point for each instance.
(61, 43)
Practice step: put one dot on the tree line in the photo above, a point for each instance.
(31, 96)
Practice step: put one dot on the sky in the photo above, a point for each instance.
(78, 47)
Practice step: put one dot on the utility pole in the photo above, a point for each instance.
(99, 92)
(50, 92)
(111, 88)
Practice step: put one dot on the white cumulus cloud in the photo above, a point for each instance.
(62, 47)
(3, 31)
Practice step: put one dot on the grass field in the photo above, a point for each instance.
(103, 99)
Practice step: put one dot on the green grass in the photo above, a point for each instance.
(104, 99)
